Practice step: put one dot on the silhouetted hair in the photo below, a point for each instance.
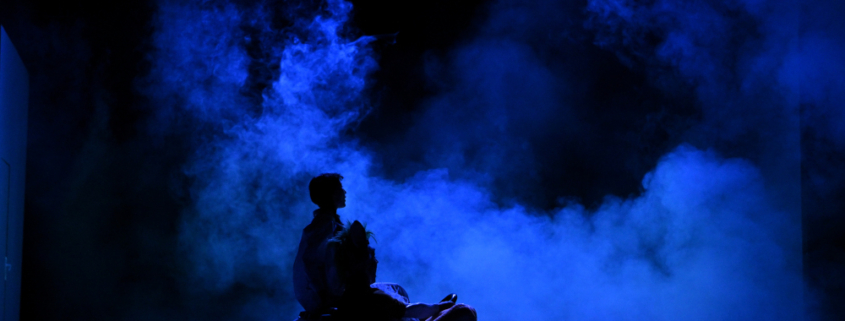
(323, 187)
(352, 252)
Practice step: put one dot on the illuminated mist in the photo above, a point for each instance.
(708, 237)
(553, 160)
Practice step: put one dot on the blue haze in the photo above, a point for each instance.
(713, 234)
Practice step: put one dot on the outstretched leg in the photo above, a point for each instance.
(458, 312)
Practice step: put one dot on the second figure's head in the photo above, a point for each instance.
(354, 257)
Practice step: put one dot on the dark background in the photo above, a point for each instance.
(103, 196)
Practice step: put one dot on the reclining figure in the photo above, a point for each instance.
(364, 299)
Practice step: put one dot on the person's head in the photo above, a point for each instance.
(327, 192)
(355, 259)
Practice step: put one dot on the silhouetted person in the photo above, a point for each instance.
(335, 270)
(315, 281)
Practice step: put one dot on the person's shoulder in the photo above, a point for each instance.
(313, 227)
(320, 222)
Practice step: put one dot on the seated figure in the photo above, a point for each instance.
(315, 281)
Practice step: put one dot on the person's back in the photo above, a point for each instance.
(314, 278)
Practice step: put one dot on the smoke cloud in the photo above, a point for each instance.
(710, 234)
(547, 160)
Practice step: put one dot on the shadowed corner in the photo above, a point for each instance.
(14, 107)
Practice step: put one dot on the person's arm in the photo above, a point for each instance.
(333, 283)
(422, 311)
(315, 260)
